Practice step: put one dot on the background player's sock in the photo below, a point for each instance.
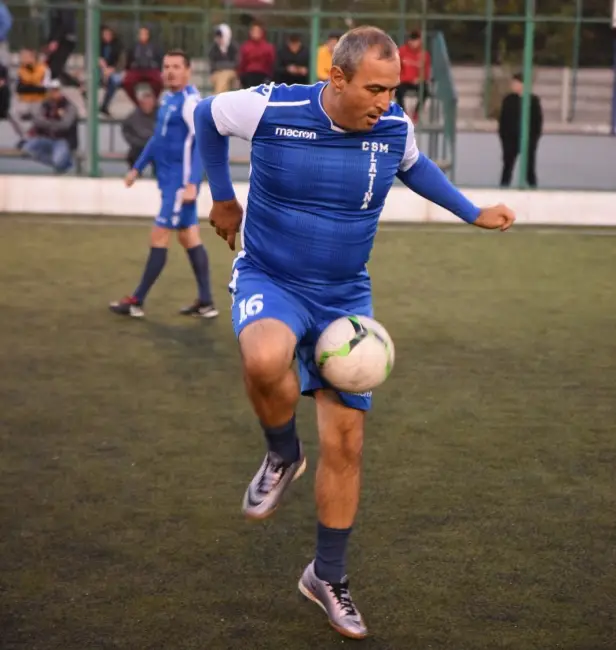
(201, 268)
(154, 266)
(283, 440)
(330, 562)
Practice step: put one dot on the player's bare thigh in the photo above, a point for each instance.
(159, 237)
(267, 347)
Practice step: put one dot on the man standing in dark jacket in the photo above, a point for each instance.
(509, 132)
(293, 61)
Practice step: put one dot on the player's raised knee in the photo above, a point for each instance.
(267, 348)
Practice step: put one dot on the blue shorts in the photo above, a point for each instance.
(307, 311)
(174, 214)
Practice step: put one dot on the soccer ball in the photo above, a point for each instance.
(355, 354)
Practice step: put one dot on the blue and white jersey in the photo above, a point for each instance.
(316, 190)
(172, 148)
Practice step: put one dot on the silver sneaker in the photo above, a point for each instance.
(335, 600)
(265, 491)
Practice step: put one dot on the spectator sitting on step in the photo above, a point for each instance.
(139, 126)
(53, 138)
(61, 44)
(257, 57)
(5, 103)
(33, 77)
(293, 62)
(110, 63)
(5, 92)
(415, 63)
(143, 66)
(223, 57)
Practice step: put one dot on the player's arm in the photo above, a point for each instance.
(236, 113)
(425, 178)
(145, 158)
(188, 113)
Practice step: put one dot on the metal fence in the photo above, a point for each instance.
(507, 34)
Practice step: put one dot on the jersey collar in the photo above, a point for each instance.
(317, 103)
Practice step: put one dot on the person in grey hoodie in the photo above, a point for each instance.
(139, 126)
(223, 56)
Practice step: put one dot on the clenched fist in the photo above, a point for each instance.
(226, 217)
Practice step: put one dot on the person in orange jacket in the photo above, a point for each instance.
(324, 57)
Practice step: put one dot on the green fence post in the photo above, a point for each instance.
(529, 46)
(488, 56)
(93, 19)
(422, 93)
(206, 26)
(402, 22)
(315, 38)
(575, 64)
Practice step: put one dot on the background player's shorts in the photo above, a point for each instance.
(306, 311)
(174, 214)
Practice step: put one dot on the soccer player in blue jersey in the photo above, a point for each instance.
(179, 172)
(323, 160)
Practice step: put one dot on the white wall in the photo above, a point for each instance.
(109, 197)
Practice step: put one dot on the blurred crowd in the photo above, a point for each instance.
(34, 102)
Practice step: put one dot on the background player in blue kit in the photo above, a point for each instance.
(323, 160)
(179, 171)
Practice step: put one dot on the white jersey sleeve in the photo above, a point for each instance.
(411, 152)
(188, 111)
(239, 112)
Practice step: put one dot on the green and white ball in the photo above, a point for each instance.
(355, 354)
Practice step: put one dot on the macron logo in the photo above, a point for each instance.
(296, 133)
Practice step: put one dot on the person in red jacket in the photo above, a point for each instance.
(257, 57)
(415, 72)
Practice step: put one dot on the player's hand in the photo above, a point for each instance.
(131, 177)
(190, 193)
(226, 217)
(498, 216)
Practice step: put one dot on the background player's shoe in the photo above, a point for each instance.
(128, 306)
(200, 309)
(265, 491)
(335, 600)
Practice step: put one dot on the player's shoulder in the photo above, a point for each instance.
(292, 95)
(395, 123)
(395, 118)
(190, 95)
(280, 95)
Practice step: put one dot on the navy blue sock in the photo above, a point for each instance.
(330, 563)
(154, 266)
(283, 440)
(201, 269)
